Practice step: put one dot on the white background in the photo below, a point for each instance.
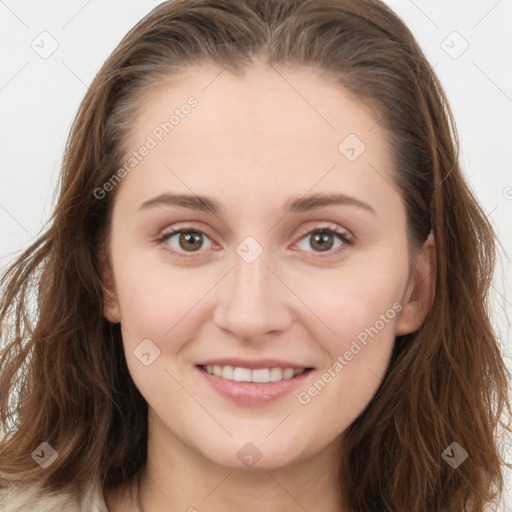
(39, 98)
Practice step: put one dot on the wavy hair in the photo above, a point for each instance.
(64, 378)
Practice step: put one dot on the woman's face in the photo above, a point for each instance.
(245, 282)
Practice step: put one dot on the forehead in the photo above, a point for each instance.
(286, 127)
(265, 100)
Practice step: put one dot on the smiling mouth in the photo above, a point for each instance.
(259, 375)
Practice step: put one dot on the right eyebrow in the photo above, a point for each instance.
(192, 202)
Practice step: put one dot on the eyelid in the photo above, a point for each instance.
(168, 232)
(343, 234)
(329, 227)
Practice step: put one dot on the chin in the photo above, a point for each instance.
(255, 456)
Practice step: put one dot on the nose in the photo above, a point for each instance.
(252, 300)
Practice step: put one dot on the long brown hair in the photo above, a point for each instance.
(64, 378)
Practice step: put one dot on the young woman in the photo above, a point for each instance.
(264, 284)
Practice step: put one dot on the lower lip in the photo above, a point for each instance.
(253, 393)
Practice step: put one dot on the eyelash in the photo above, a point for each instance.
(341, 234)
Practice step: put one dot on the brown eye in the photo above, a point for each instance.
(183, 241)
(190, 240)
(323, 240)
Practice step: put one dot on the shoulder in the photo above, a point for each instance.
(21, 498)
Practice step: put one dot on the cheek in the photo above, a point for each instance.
(357, 356)
(360, 307)
(353, 301)
(156, 308)
(154, 294)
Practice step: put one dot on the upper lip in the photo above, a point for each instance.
(252, 364)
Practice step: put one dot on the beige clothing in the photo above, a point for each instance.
(33, 499)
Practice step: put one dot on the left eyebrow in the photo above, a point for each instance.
(315, 201)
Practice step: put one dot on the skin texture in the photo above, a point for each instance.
(253, 143)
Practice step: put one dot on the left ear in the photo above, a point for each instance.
(111, 309)
(420, 291)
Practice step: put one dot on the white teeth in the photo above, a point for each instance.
(242, 375)
(288, 373)
(261, 375)
(276, 374)
(226, 372)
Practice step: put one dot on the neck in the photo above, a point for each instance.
(178, 478)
